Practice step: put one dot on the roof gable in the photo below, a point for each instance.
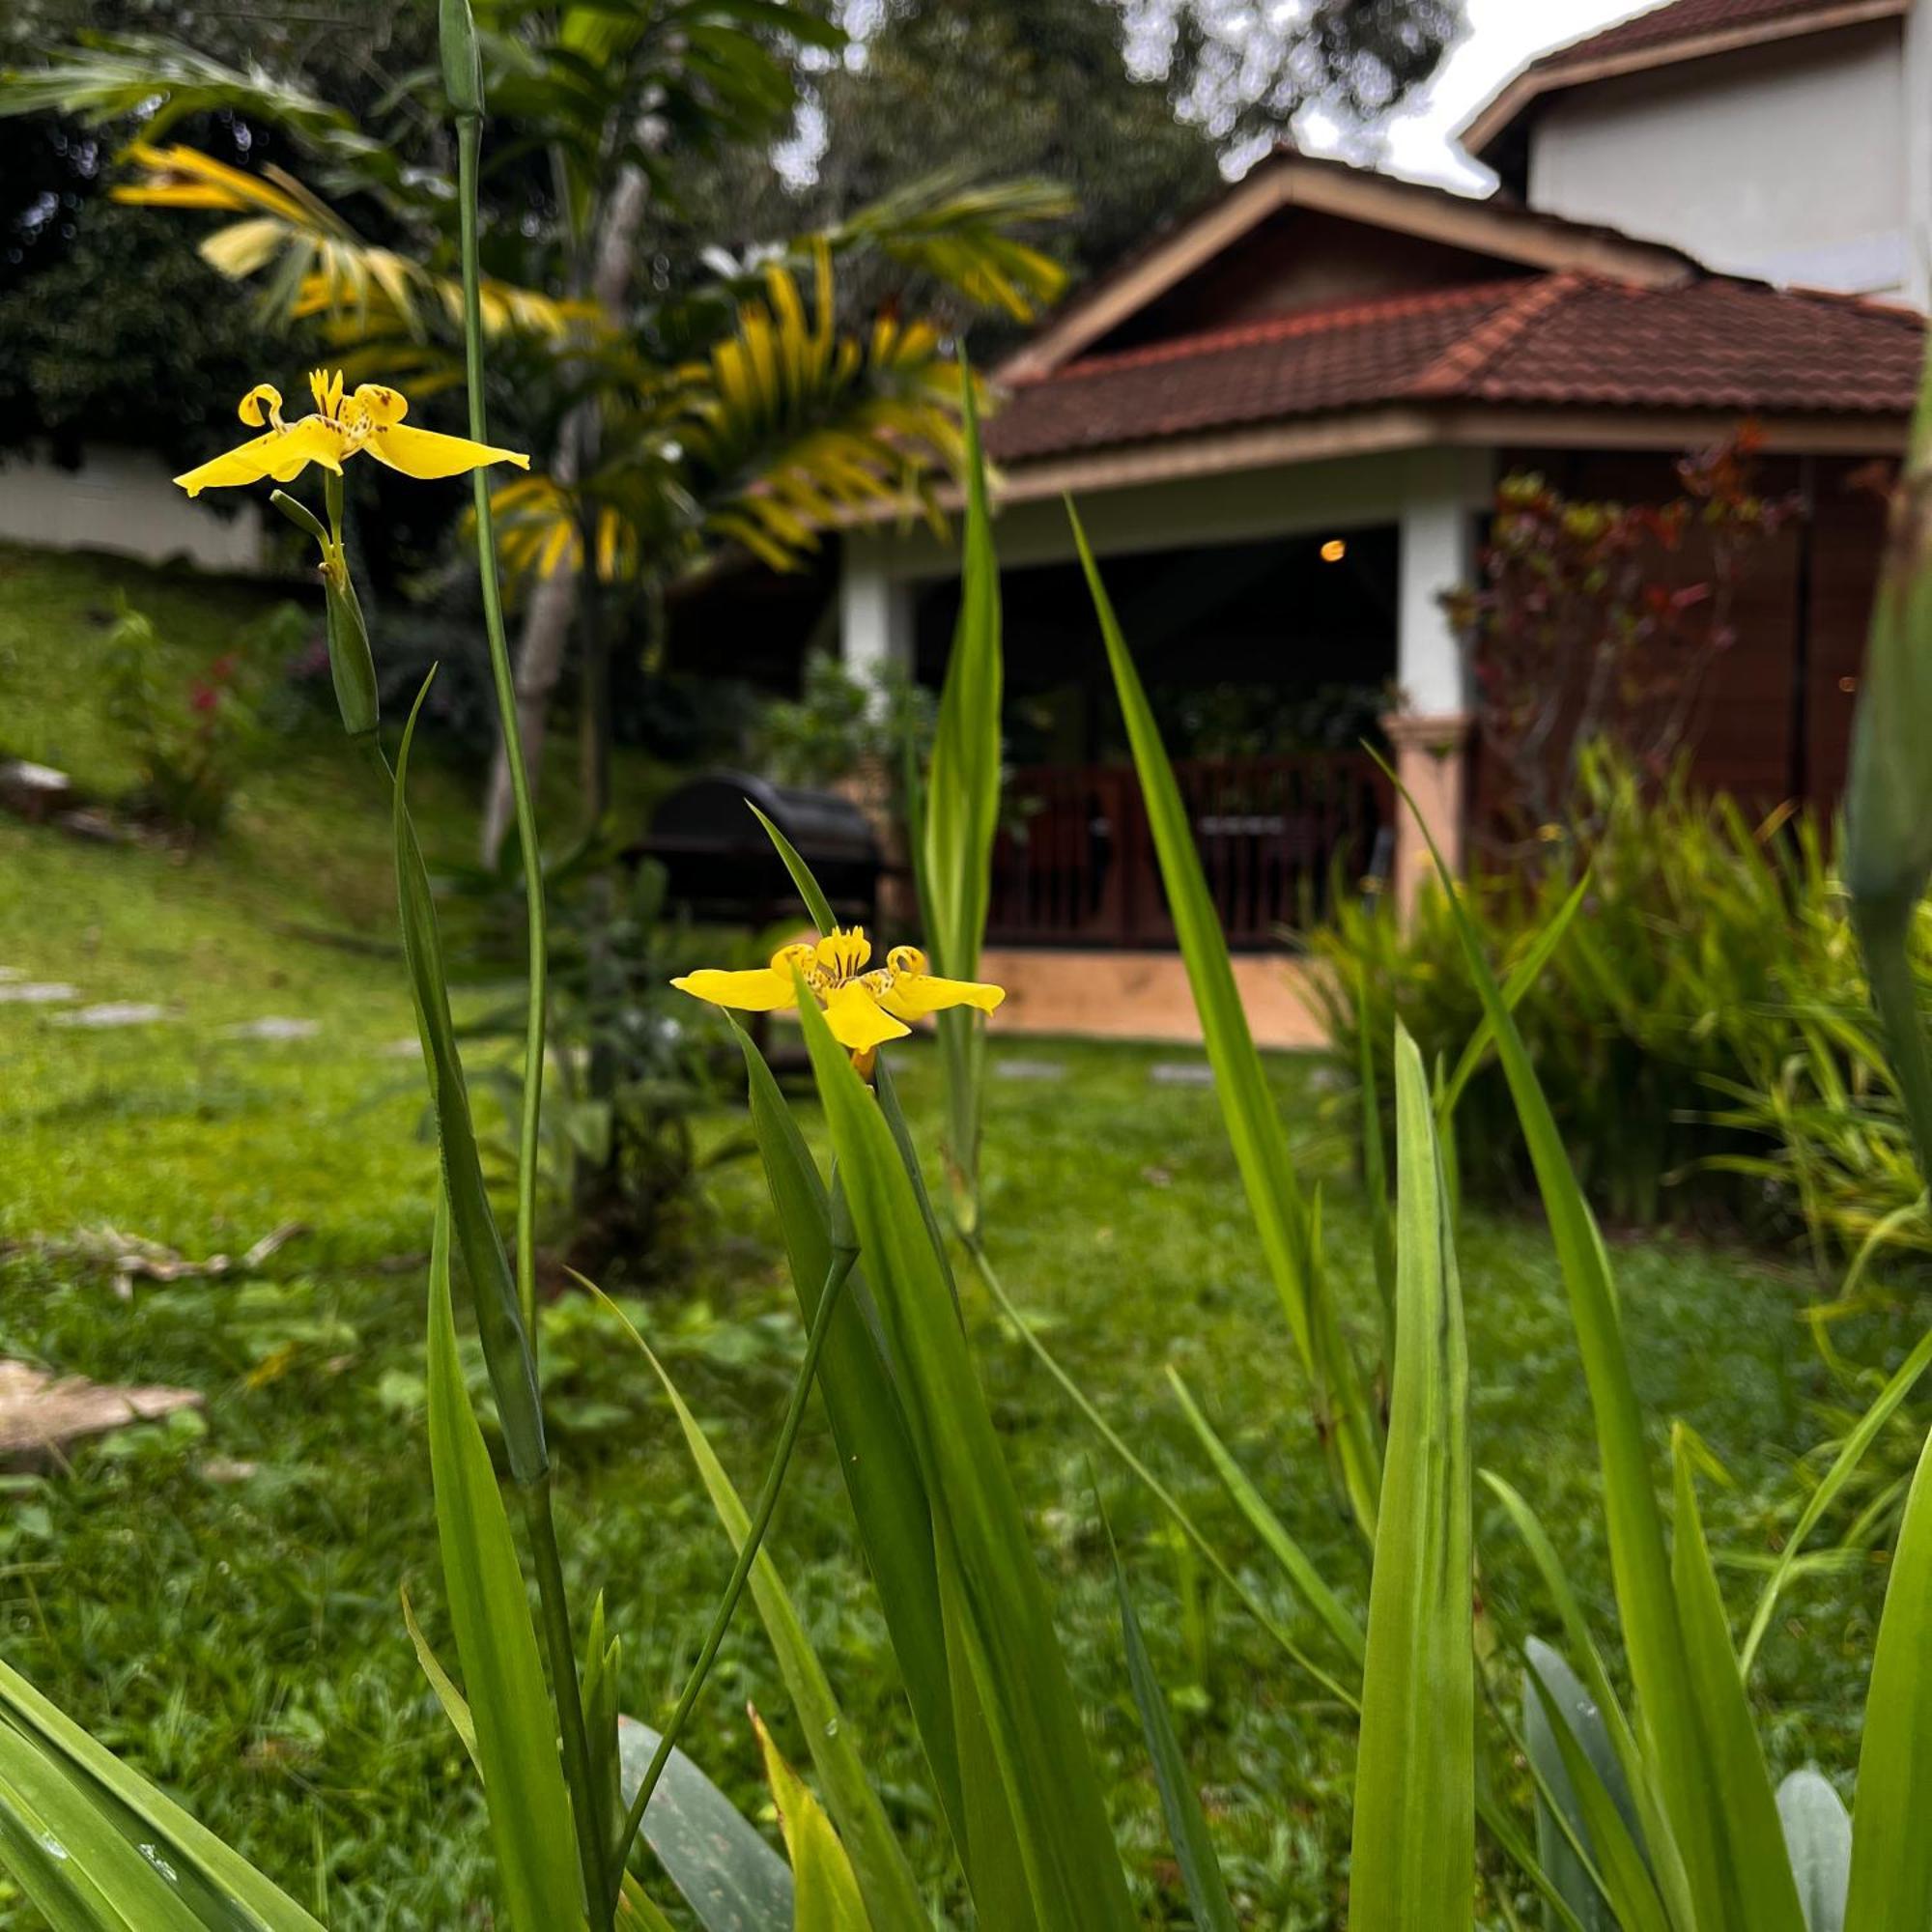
(1406, 235)
(1683, 29)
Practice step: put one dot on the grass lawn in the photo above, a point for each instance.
(221, 1601)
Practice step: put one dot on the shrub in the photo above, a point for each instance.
(1699, 942)
(192, 736)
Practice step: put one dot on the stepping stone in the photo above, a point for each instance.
(273, 1026)
(1029, 1070)
(1181, 1073)
(34, 792)
(42, 1416)
(35, 993)
(113, 1013)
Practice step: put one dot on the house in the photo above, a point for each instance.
(1284, 418)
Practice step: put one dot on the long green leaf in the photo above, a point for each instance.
(495, 1644)
(1892, 1848)
(1818, 1839)
(1652, 1828)
(69, 1857)
(730, 1877)
(228, 1892)
(1617, 1857)
(875, 1453)
(885, 1879)
(1760, 1885)
(1843, 1467)
(962, 794)
(1415, 1775)
(1180, 1804)
(1240, 1082)
(1339, 1621)
(959, 810)
(493, 1289)
(1072, 1868)
(1522, 977)
(1639, 1565)
(825, 1887)
(1563, 1839)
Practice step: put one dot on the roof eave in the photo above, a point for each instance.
(1488, 126)
(1505, 233)
(1399, 427)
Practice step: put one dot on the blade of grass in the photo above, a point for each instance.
(1415, 1775)
(1240, 1084)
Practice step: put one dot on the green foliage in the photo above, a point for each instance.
(1701, 942)
(842, 723)
(190, 743)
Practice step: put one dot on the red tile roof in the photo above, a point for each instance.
(1549, 341)
(1682, 20)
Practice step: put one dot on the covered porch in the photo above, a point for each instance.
(1285, 620)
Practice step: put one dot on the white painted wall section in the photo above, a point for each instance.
(122, 500)
(875, 613)
(1435, 553)
(1917, 288)
(1794, 162)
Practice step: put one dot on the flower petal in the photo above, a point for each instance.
(283, 453)
(858, 1022)
(759, 991)
(252, 411)
(911, 996)
(843, 953)
(425, 453)
(381, 403)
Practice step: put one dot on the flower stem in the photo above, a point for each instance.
(469, 134)
(552, 1593)
(836, 1276)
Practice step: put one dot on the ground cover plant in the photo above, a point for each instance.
(1650, 1790)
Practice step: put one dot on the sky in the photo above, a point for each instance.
(1500, 37)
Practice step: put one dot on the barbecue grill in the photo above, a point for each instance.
(720, 870)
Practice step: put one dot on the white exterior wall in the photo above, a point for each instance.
(1791, 161)
(122, 500)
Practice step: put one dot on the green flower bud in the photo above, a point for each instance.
(462, 60)
(351, 665)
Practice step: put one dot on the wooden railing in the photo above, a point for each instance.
(1075, 865)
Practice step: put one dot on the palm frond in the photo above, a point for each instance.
(959, 231)
(316, 264)
(106, 77)
(793, 426)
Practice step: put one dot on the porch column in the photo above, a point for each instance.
(875, 614)
(1430, 731)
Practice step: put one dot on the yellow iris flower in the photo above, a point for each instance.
(371, 419)
(863, 1010)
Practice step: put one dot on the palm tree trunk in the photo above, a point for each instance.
(552, 602)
